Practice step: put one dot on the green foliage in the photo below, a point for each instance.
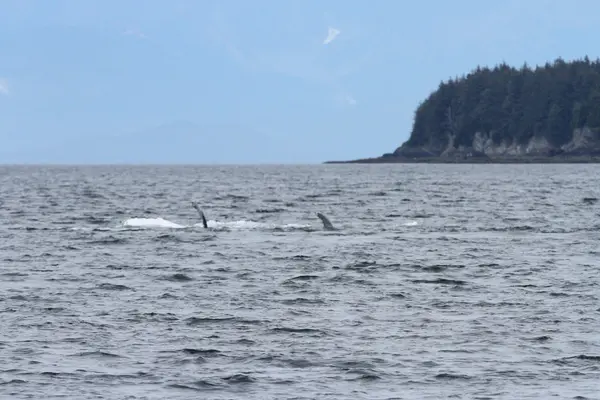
(512, 105)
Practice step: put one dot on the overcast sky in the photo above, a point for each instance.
(336, 79)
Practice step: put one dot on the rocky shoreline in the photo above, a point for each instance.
(584, 147)
(474, 160)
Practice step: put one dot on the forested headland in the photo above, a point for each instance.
(549, 113)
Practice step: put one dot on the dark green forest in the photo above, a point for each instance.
(512, 104)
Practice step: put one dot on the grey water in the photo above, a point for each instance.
(442, 281)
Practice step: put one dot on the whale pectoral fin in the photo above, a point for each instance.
(201, 213)
(204, 224)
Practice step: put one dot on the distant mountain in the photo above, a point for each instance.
(178, 142)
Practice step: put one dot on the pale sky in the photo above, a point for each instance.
(265, 81)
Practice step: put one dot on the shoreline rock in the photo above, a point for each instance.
(584, 147)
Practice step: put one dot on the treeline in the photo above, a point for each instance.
(512, 104)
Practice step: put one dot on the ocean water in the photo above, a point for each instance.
(442, 281)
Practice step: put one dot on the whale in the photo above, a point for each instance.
(327, 225)
(197, 207)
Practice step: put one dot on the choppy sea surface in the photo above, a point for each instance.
(442, 281)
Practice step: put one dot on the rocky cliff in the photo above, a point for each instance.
(585, 142)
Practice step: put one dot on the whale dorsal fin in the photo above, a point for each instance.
(326, 223)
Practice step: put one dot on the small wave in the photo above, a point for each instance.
(302, 300)
(168, 238)
(198, 320)
(442, 281)
(297, 281)
(100, 354)
(269, 210)
(117, 267)
(91, 193)
(154, 316)
(297, 257)
(559, 294)
(516, 228)
(19, 297)
(234, 197)
(578, 358)
(422, 215)
(94, 220)
(56, 374)
(200, 385)
(287, 362)
(314, 196)
(362, 266)
(303, 278)
(13, 382)
(208, 320)
(299, 330)
(14, 276)
(583, 357)
(439, 267)
(110, 240)
(543, 338)
(111, 286)
(201, 352)
(363, 375)
(238, 378)
(179, 277)
(449, 376)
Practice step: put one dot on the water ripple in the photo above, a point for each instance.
(452, 281)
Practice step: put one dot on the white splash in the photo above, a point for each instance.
(331, 35)
(229, 225)
(151, 223)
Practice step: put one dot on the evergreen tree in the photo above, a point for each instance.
(512, 105)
